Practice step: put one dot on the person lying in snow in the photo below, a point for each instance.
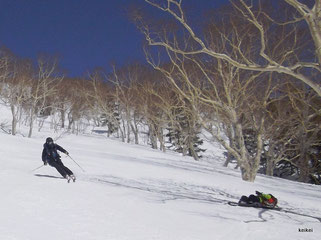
(50, 156)
(259, 200)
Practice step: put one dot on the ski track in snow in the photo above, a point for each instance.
(164, 191)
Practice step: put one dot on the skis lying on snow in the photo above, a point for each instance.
(254, 205)
(284, 210)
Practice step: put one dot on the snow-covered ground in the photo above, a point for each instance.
(134, 192)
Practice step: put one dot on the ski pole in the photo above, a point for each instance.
(76, 162)
(37, 168)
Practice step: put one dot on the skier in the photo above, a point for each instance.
(259, 200)
(50, 156)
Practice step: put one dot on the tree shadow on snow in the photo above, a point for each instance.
(167, 190)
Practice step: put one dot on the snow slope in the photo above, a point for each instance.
(134, 192)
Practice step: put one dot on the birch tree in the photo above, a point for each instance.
(44, 85)
(301, 17)
(103, 98)
(127, 81)
(245, 44)
(15, 85)
(18, 90)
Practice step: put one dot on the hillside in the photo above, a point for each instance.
(134, 192)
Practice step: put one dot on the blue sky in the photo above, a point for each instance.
(84, 33)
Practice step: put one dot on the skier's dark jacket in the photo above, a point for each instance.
(49, 152)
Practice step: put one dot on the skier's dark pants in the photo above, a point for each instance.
(61, 168)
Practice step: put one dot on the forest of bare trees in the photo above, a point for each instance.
(248, 58)
(248, 77)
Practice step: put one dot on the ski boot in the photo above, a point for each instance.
(68, 178)
(73, 178)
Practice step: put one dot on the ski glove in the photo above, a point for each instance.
(258, 193)
(67, 153)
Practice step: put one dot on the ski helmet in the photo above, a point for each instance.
(49, 140)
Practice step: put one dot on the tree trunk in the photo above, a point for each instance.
(128, 129)
(14, 120)
(63, 113)
(270, 167)
(248, 173)
(32, 115)
(228, 159)
(192, 151)
(303, 161)
(152, 137)
(161, 140)
(122, 130)
(303, 168)
(109, 131)
(30, 127)
(249, 165)
(135, 131)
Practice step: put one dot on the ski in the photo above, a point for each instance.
(253, 206)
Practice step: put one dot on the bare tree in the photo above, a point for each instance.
(5, 60)
(152, 112)
(18, 90)
(16, 75)
(222, 94)
(292, 129)
(77, 106)
(236, 56)
(67, 97)
(127, 82)
(304, 17)
(226, 95)
(44, 85)
(306, 141)
(103, 98)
